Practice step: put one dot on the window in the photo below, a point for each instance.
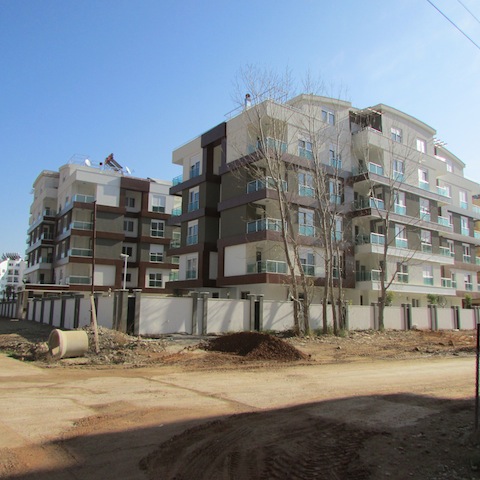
(337, 232)
(193, 199)
(336, 191)
(328, 116)
(398, 170)
(451, 247)
(426, 239)
(305, 184)
(192, 233)
(468, 282)
(421, 145)
(338, 265)
(402, 272)
(462, 195)
(158, 203)
(195, 169)
(423, 178)
(156, 253)
(157, 228)
(449, 164)
(334, 158)
(465, 229)
(305, 222)
(155, 280)
(191, 268)
(305, 149)
(129, 202)
(127, 250)
(401, 236)
(396, 134)
(427, 274)
(128, 226)
(307, 259)
(400, 207)
(424, 209)
(466, 253)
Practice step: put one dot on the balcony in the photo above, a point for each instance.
(369, 202)
(305, 191)
(465, 231)
(443, 191)
(476, 234)
(402, 277)
(263, 224)
(444, 221)
(446, 252)
(335, 199)
(476, 210)
(428, 281)
(336, 163)
(364, 276)
(373, 238)
(262, 184)
(177, 180)
(195, 170)
(175, 243)
(477, 260)
(398, 176)
(269, 143)
(467, 258)
(267, 266)
(303, 152)
(80, 252)
(425, 215)
(176, 212)
(468, 286)
(78, 280)
(81, 225)
(376, 169)
(83, 198)
(401, 243)
(464, 205)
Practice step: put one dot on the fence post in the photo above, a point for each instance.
(194, 296)
(204, 312)
(260, 311)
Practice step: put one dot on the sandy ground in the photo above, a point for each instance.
(371, 406)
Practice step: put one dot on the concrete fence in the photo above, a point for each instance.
(144, 314)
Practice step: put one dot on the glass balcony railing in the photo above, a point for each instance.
(262, 184)
(444, 221)
(476, 209)
(446, 252)
(398, 176)
(177, 180)
(477, 260)
(446, 282)
(426, 248)
(195, 171)
(400, 209)
(83, 198)
(176, 212)
(368, 276)
(192, 206)
(401, 243)
(425, 215)
(468, 286)
(80, 252)
(192, 239)
(336, 163)
(467, 258)
(191, 274)
(476, 234)
(402, 277)
(465, 231)
(424, 185)
(373, 238)
(303, 152)
(443, 191)
(464, 205)
(335, 199)
(268, 143)
(306, 230)
(263, 224)
(305, 191)
(267, 266)
(374, 168)
(78, 280)
(81, 225)
(428, 280)
(175, 243)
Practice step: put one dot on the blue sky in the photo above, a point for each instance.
(139, 78)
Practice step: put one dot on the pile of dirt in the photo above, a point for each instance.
(255, 346)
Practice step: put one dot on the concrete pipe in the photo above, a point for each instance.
(62, 344)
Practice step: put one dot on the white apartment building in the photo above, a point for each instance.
(380, 167)
(12, 267)
(98, 218)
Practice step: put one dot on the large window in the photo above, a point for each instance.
(335, 188)
(421, 145)
(193, 199)
(427, 274)
(465, 229)
(402, 272)
(337, 231)
(334, 158)
(195, 169)
(305, 222)
(400, 206)
(305, 149)
(463, 199)
(192, 233)
(401, 236)
(424, 209)
(158, 203)
(466, 253)
(305, 184)
(157, 228)
(156, 253)
(426, 239)
(398, 170)
(191, 268)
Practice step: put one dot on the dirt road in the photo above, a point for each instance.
(198, 416)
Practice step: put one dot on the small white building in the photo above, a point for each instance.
(12, 268)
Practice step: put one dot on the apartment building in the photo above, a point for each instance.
(98, 218)
(12, 267)
(402, 204)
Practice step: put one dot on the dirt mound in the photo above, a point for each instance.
(255, 346)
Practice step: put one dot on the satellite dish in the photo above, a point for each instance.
(129, 172)
(87, 162)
